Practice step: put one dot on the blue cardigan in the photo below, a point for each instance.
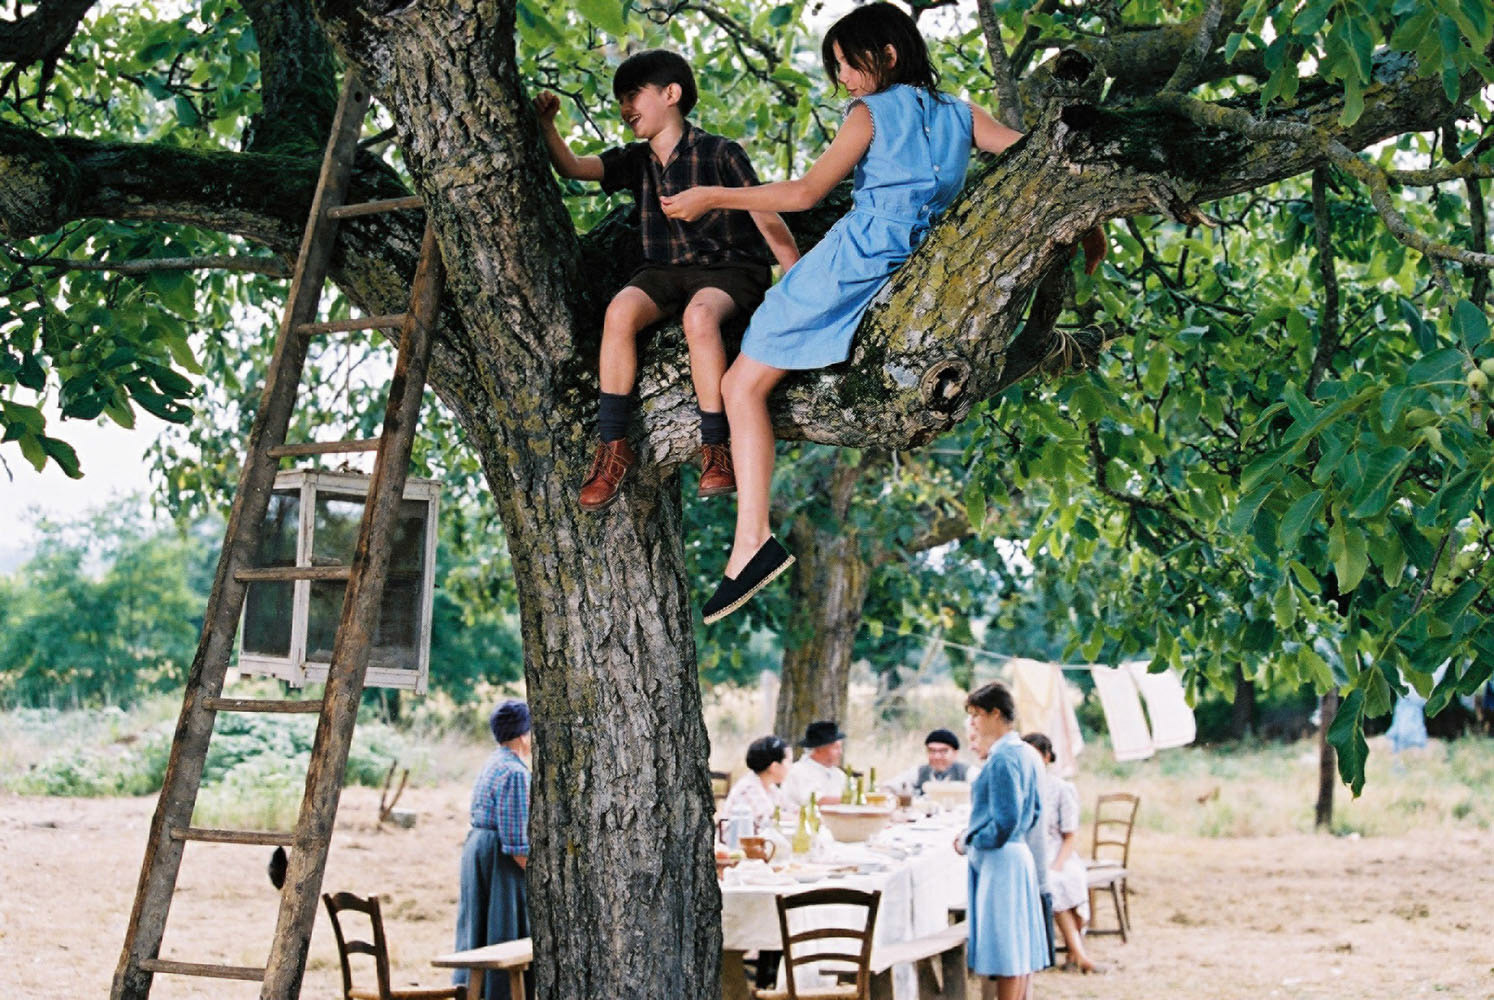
(1004, 801)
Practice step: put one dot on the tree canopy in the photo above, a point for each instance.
(1259, 437)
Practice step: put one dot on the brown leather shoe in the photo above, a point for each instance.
(607, 471)
(716, 473)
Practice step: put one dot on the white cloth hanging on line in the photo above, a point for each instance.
(1172, 720)
(1044, 705)
(1130, 739)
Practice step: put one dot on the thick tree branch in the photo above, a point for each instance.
(240, 263)
(41, 36)
(298, 81)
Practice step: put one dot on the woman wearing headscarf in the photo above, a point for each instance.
(493, 908)
(1008, 936)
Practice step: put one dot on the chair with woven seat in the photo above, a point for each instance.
(1110, 861)
(378, 948)
(852, 968)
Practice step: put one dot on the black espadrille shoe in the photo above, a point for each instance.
(764, 567)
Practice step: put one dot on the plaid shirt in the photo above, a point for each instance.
(500, 800)
(718, 237)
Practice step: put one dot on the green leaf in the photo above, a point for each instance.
(1244, 514)
(63, 454)
(1471, 323)
(1442, 366)
(1346, 548)
(1384, 469)
(1306, 511)
(605, 14)
(1346, 733)
(781, 15)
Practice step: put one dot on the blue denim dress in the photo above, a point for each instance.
(1008, 933)
(909, 175)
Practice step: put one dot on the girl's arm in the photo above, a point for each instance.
(990, 136)
(1065, 850)
(779, 239)
(849, 145)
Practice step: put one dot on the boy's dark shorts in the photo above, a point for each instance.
(672, 286)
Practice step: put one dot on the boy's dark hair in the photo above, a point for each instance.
(659, 67)
(864, 35)
(765, 752)
(1041, 743)
(993, 697)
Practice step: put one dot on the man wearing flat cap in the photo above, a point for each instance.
(818, 769)
(941, 745)
(493, 906)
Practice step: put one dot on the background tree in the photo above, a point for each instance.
(1336, 535)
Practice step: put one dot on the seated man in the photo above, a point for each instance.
(941, 746)
(818, 770)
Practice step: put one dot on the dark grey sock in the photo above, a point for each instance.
(612, 416)
(713, 428)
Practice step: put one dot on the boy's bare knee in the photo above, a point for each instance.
(621, 318)
(700, 323)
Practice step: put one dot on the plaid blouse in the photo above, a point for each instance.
(718, 237)
(500, 800)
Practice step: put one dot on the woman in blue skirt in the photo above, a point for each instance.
(1008, 936)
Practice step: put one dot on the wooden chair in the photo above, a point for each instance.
(856, 967)
(379, 949)
(720, 786)
(1110, 862)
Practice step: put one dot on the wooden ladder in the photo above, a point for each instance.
(171, 827)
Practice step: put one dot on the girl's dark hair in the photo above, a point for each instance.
(659, 67)
(993, 697)
(764, 753)
(1040, 743)
(864, 35)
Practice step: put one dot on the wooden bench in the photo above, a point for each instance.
(945, 949)
(515, 957)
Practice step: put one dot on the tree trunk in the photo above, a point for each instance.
(1327, 765)
(829, 589)
(1242, 711)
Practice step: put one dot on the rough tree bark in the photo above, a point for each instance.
(623, 896)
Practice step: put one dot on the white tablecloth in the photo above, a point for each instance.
(918, 891)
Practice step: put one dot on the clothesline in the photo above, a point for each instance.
(1000, 656)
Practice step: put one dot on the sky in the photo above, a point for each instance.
(114, 468)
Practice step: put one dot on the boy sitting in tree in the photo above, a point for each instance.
(705, 271)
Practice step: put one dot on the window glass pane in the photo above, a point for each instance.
(268, 606)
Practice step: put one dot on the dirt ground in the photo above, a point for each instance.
(1295, 916)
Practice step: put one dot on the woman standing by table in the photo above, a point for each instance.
(493, 907)
(1008, 939)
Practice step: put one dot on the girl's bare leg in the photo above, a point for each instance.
(745, 389)
(1012, 987)
(1068, 926)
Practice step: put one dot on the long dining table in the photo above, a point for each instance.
(914, 865)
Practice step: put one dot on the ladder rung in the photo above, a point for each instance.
(258, 838)
(324, 447)
(374, 207)
(293, 573)
(203, 969)
(306, 705)
(390, 322)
